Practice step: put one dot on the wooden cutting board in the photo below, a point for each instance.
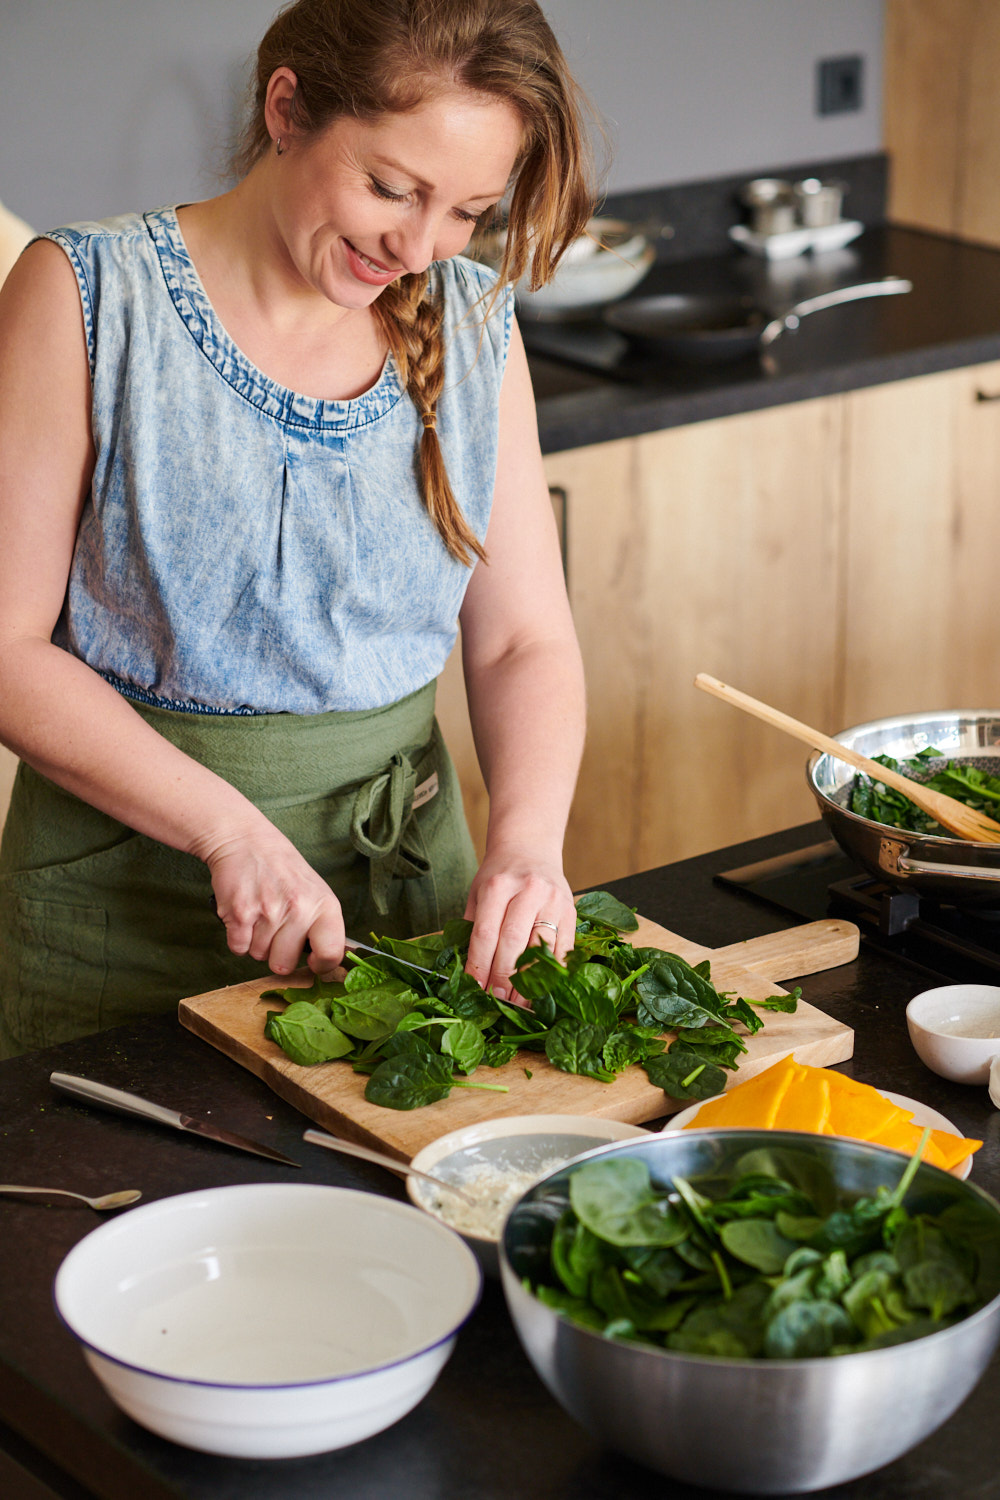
(332, 1095)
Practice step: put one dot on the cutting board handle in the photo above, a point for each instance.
(806, 949)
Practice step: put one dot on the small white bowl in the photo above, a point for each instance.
(955, 1030)
(500, 1159)
(269, 1320)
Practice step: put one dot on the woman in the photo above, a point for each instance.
(258, 457)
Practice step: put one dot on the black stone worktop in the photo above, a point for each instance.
(488, 1430)
(597, 390)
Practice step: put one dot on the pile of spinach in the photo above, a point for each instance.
(773, 1263)
(605, 1009)
(968, 784)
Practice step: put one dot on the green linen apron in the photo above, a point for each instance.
(100, 925)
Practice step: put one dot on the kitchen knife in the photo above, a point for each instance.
(131, 1104)
(353, 944)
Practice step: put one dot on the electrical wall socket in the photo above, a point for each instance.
(838, 85)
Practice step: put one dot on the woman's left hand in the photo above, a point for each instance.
(516, 900)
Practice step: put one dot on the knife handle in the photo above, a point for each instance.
(116, 1099)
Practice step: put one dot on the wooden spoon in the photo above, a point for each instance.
(964, 821)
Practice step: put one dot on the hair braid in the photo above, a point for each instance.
(412, 320)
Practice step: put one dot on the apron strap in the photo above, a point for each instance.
(384, 830)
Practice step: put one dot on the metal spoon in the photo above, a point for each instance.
(348, 1148)
(107, 1200)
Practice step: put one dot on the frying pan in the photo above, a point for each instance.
(710, 329)
(944, 869)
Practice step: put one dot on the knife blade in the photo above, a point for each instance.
(354, 944)
(106, 1097)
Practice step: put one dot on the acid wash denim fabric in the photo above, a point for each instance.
(245, 548)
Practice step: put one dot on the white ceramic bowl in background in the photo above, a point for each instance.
(599, 267)
(519, 1147)
(268, 1320)
(955, 1030)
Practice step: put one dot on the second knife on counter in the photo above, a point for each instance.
(86, 1091)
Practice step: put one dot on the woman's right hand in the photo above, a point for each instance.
(273, 903)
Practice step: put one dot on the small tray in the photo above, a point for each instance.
(797, 241)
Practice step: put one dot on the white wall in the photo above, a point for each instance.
(108, 105)
(695, 89)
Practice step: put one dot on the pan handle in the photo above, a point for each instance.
(887, 287)
(907, 866)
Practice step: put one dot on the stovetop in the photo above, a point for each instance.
(961, 945)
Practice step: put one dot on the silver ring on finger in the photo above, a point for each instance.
(543, 923)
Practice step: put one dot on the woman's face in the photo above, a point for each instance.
(363, 203)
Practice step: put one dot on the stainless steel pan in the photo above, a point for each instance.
(946, 869)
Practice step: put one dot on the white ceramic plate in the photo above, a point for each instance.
(922, 1115)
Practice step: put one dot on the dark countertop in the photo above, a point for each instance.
(488, 1429)
(950, 319)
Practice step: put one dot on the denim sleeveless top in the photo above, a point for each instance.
(248, 549)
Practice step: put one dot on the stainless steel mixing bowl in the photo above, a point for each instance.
(765, 1427)
(944, 868)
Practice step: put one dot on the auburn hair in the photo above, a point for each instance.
(366, 58)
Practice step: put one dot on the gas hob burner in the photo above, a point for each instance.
(951, 935)
(960, 944)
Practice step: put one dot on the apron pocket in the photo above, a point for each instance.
(53, 967)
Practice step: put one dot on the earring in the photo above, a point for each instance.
(278, 147)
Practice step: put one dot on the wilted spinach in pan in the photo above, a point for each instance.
(605, 1009)
(881, 804)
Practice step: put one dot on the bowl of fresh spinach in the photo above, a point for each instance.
(757, 1311)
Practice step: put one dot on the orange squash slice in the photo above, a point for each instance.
(794, 1096)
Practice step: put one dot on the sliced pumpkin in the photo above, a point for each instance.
(862, 1112)
(794, 1096)
(905, 1136)
(753, 1103)
(805, 1104)
(953, 1148)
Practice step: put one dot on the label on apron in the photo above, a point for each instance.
(426, 790)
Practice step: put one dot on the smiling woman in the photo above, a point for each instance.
(296, 447)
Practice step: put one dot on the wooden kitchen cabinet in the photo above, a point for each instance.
(833, 557)
(920, 622)
(8, 770)
(712, 547)
(941, 61)
(453, 713)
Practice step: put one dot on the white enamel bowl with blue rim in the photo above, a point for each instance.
(269, 1320)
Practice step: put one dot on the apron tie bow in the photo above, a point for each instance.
(385, 831)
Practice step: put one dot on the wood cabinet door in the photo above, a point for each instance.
(921, 623)
(453, 717)
(8, 770)
(941, 62)
(713, 547)
(835, 558)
